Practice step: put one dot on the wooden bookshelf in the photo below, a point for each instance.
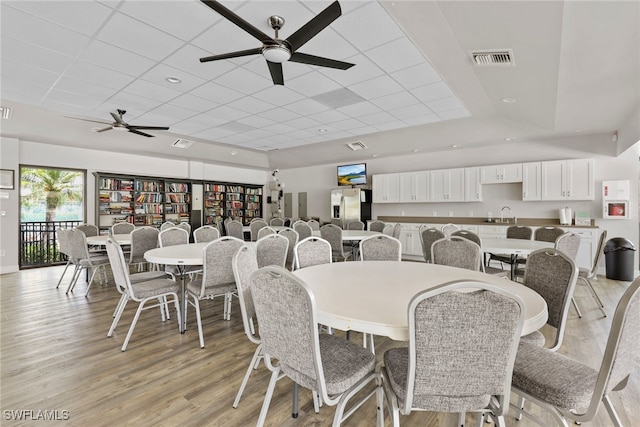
(115, 201)
(177, 203)
(242, 202)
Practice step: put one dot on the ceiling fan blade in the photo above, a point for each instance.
(275, 68)
(304, 58)
(102, 122)
(117, 118)
(313, 27)
(148, 127)
(232, 54)
(104, 129)
(231, 16)
(140, 133)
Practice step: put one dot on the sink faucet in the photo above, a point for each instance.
(502, 212)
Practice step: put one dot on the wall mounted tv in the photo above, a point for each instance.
(355, 174)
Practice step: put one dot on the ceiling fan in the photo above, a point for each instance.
(120, 125)
(275, 50)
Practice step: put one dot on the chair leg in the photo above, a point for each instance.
(575, 305)
(294, 403)
(93, 275)
(196, 304)
(124, 298)
(613, 414)
(595, 296)
(74, 279)
(267, 397)
(521, 406)
(257, 355)
(461, 418)
(63, 273)
(133, 325)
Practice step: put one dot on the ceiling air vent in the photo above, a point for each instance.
(182, 143)
(503, 57)
(5, 112)
(358, 145)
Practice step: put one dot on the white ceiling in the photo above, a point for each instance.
(414, 86)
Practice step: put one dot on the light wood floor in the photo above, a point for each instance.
(55, 355)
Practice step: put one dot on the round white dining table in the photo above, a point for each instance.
(514, 248)
(373, 296)
(351, 234)
(123, 239)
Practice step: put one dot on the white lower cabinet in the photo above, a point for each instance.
(410, 239)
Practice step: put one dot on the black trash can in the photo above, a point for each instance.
(619, 254)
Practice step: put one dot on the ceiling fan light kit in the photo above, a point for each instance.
(276, 51)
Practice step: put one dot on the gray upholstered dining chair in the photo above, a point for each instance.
(85, 260)
(265, 231)
(303, 229)
(65, 249)
(449, 228)
(142, 240)
(233, 228)
(206, 233)
(167, 224)
(457, 252)
(428, 235)
(569, 244)
(217, 278)
(355, 225)
(122, 228)
(254, 228)
(376, 225)
(588, 274)
(272, 250)
(315, 225)
(547, 234)
(292, 236)
(570, 390)
(89, 230)
(142, 292)
(469, 235)
(176, 236)
(311, 251)
(329, 365)
(333, 234)
(276, 221)
(442, 369)
(380, 248)
(513, 232)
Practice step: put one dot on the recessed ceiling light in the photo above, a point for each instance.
(580, 130)
(455, 146)
(374, 155)
(511, 138)
(508, 100)
(173, 79)
(233, 153)
(415, 150)
(322, 130)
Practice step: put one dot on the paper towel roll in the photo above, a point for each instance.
(562, 214)
(568, 215)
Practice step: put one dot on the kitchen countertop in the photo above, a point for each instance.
(534, 222)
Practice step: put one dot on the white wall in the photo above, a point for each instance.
(317, 181)
(15, 153)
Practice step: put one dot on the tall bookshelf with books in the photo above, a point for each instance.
(177, 203)
(231, 200)
(214, 202)
(149, 201)
(252, 203)
(115, 201)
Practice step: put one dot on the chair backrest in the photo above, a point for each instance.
(206, 233)
(292, 235)
(122, 228)
(62, 236)
(88, 229)
(234, 229)
(257, 218)
(446, 328)
(355, 225)
(303, 229)
(286, 314)
(311, 251)
(428, 235)
(457, 252)
(519, 232)
(272, 250)
(547, 234)
(396, 231)
(569, 243)
(254, 228)
(376, 226)
(315, 225)
(244, 263)
(380, 248)
(599, 251)
(217, 267)
(469, 235)
(553, 275)
(388, 229)
(119, 268)
(265, 231)
(167, 224)
(276, 221)
(142, 240)
(185, 226)
(78, 244)
(333, 234)
(173, 236)
(449, 228)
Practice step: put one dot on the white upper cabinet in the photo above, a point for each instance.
(447, 185)
(385, 188)
(498, 174)
(472, 187)
(568, 180)
(414, 186)
(531, 183)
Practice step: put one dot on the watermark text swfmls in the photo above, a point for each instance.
(36, 415)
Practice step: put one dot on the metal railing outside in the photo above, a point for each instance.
(39, 243)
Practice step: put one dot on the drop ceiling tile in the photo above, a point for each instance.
(279, 115)
(148, 41)
(228, 113)
(432, 92)
(423, 120)
(160, 72)
(395, 100)
(295, 14)
(256, 121)
(348, 124)
(75, 99)
(182, 19)
(39, 32)
(224, 37)
(445, 104)
(187, 58)
(16, 71)
(153, 119)
(171, 114)
(87, 16)
(279, 128)
(244, 81)
(114, 58)
(214, 133)
(306, 107)
(18, 89)
(377, 118)
(330, 116)
(35, 56)
(216, 93)
(152, 90)
(329, 44)
(361, 109)
(364, 69)
(237, 139)
(278, 95)
(133, 103)
(304, 123)
(259, 134)
(300, 134)
(457, 113)
(80, 88)
(98, 75)
(194, 103)
(235, 127)
(251, 105)
(312, 84)
(418, 75)
(410, 112)
(377, 87)
(396, 55)
(368, 26)
(390, 125)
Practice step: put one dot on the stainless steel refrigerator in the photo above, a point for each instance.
(350, 204)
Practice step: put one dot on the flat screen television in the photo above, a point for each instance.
(355, 174)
